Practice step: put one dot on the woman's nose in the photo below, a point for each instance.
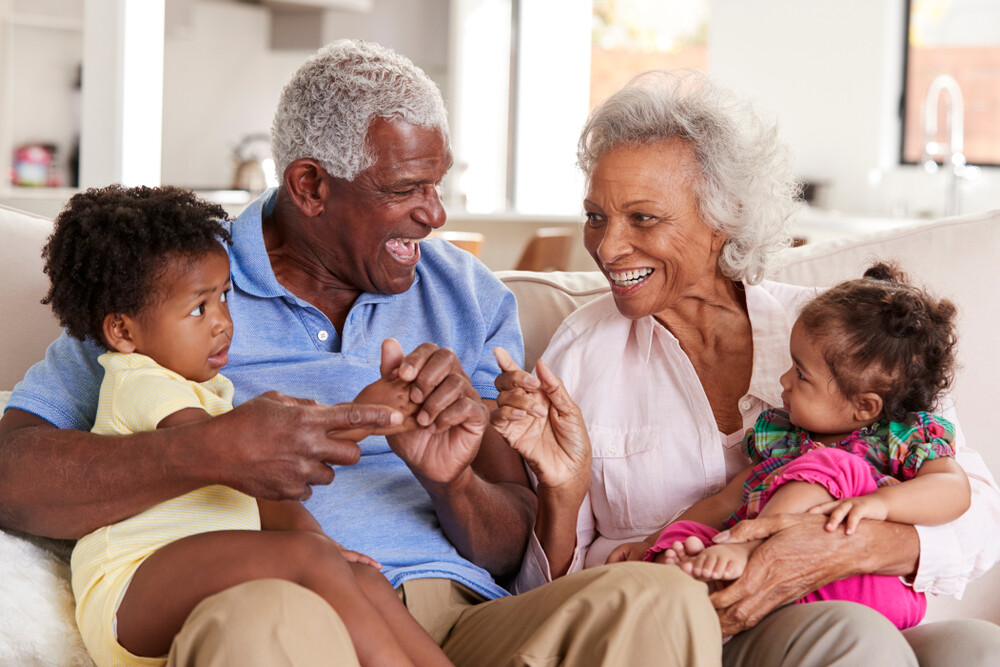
(614, 243)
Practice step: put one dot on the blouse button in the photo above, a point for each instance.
(745, 404)
(612, 449)
(322, 335)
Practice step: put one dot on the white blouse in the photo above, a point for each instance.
(657, 450)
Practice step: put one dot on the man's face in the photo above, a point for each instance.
(377, 220)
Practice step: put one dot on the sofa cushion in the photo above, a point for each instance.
(28, 325)
(544, 299)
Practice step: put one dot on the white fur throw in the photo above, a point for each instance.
(37, 623)
(37, 626)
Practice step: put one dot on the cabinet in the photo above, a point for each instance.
(41, 50)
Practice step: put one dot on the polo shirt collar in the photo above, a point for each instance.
(251, 268)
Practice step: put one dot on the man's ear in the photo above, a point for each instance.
(118, 332)
(306, 184)
(867, 406)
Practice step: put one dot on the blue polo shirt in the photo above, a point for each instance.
(282, 342)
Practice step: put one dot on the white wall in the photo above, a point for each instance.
(832, 71)
(222, 79)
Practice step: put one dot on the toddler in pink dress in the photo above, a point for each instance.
(855, 439)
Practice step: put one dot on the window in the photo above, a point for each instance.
(952, 61)
(633, 36)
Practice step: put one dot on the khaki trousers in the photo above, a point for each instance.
(590, 618)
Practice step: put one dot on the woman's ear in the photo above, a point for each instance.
(118, 332)
(867, 406)
(306, 184)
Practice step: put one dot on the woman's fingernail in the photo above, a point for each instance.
(539, 411)
(721, 537)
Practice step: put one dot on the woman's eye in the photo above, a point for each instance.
(198, 311)
(641, 217)
(224, 297)
(594, 219)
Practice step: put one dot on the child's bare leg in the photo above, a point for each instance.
(171, 582)
(418, 645)
(727, 561)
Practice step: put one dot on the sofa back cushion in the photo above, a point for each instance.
(28, 326)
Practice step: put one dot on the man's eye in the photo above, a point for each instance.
(198, 311)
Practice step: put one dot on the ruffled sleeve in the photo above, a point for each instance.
(920, 437)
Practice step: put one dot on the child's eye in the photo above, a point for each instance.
(798, 374)
(224, 297)
(198, 311)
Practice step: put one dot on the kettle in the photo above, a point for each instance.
(254, 168)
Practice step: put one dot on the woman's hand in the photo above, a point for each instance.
(543, 424)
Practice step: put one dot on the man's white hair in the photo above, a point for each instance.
(326, 108)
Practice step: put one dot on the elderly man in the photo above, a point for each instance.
(324, 269)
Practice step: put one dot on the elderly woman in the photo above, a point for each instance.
(689, 194)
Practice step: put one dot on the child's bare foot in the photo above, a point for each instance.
(679, 552)
(719, 562)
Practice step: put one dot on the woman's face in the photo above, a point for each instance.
(644, 231)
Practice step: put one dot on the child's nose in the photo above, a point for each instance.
(785, 379)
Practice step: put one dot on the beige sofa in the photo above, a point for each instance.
(954, 256)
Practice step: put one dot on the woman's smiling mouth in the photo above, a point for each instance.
(629, 278)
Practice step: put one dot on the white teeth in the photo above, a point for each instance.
(629, 278)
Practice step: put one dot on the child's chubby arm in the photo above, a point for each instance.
(938, 493)
(710, 511)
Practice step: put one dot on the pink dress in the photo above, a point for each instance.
(878, 455)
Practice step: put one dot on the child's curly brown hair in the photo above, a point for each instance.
(882, 335)
(111, 245)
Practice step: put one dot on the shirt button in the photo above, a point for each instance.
(745, 404)
(322, 335)
(612, 449)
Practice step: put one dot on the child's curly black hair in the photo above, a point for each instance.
(886, 336)
(110, 246)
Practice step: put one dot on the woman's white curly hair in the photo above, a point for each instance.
(747, 189)
(326, 108)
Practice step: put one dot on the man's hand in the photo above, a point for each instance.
(277, 446)
(451, 419)
(798, 556)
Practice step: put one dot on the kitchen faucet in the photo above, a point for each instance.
(954, 157)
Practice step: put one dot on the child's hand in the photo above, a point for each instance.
(628, 551)
(352, 556)
(392, 392)
(854, 510)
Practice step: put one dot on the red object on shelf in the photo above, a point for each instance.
(34, 166)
